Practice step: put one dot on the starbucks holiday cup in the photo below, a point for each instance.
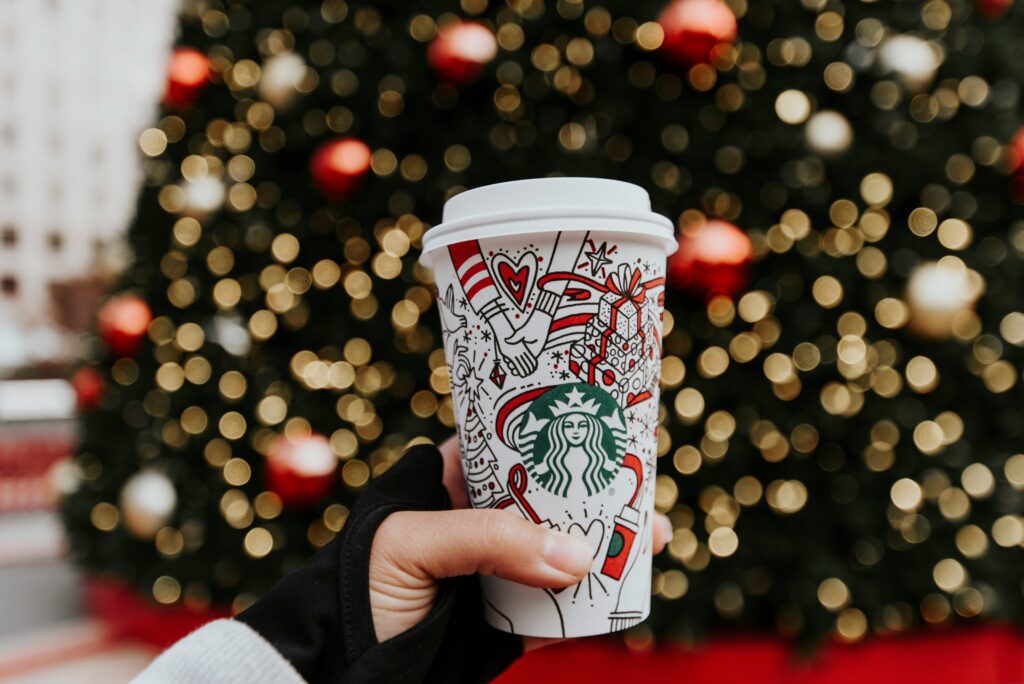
(551, 294)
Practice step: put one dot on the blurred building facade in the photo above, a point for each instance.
(80, 80)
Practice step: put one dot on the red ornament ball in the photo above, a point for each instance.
(713, 259)
(338, 167)
(993, 8)
(122, 323)
(302, 471)
(188, 72)
(694, 28)
(1015, 152)
(461, 50)
(88, 385)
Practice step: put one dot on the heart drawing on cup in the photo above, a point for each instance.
(517, 277)
(592, 534)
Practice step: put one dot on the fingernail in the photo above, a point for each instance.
(567, 554)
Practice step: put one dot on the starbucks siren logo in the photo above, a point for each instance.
(572, 440)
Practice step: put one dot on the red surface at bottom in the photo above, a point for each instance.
(981, 655)
(129, 616)
(990, 654)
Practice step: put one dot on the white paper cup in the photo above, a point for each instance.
(551, 298)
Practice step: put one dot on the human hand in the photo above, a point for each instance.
(413, 550)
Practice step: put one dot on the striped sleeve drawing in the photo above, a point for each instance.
(474, 277)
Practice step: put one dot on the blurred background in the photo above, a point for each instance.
(78, 82)
(214, 331)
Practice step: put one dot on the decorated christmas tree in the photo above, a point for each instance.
(483, 485)
(840, 438)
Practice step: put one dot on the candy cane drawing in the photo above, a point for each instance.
(517, 482)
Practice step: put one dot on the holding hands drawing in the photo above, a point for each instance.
(521, 360)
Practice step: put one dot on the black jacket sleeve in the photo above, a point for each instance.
(319, 617)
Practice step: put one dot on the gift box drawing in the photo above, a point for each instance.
(618, 342)
(622, 307)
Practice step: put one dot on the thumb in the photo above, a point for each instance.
(439, 544)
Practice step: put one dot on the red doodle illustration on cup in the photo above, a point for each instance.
(626, 525)
(517, 482)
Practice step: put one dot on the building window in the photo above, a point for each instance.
(9, 286)
(55, 241)
(9, 236)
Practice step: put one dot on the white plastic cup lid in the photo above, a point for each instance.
(548, 204)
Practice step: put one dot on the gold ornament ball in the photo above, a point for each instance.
(148, 500)
(937, 293)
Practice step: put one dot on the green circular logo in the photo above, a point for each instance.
(572, 440)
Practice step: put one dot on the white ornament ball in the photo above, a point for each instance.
(828, 132)
(148, 500)
(913, 60)
(313, 457)
(203, 196)
(64, 478)
(231, 334)
(939, 291)
(281, 75)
